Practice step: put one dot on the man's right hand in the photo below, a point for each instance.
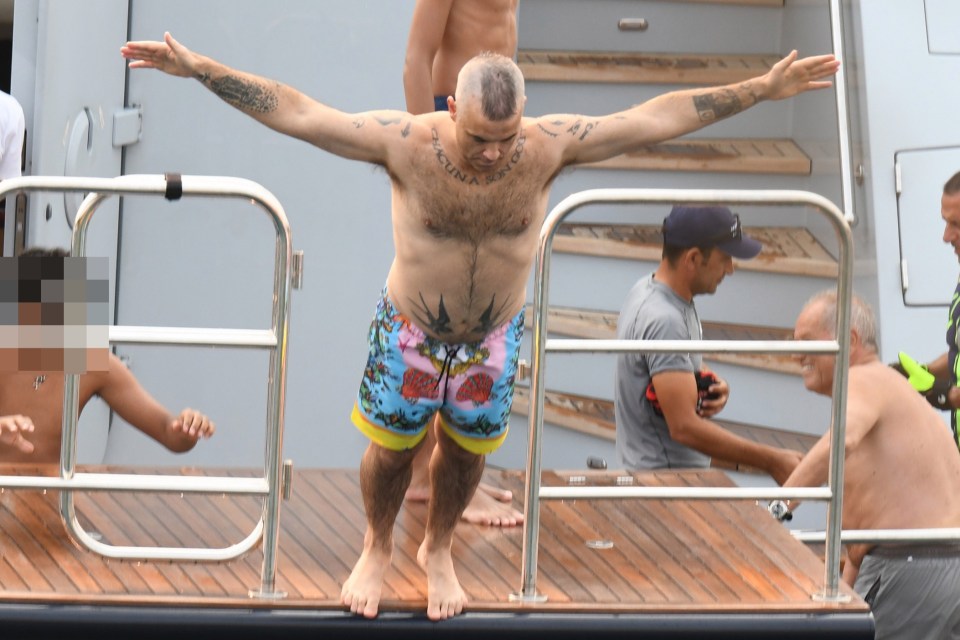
(12, 429)
(168, 56)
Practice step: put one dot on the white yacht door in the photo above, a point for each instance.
(69, 78)
(928, 268)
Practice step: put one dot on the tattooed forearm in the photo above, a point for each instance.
(243, 94)
(717, 105)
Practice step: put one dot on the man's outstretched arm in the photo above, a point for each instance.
(275, 105)
(680, 112)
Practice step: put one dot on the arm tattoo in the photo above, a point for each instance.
(549, 132)
(384, 122)
(358, 123)
(581, 130)
(552, 134)
(717, 105)
(243, 94)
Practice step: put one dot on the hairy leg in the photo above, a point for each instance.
(454, 474)
(384, 476)
(489, 506)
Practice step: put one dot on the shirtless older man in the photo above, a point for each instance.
(444, 36)
(469, 194)
(901, 472)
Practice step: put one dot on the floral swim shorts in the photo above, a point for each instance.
(410, 376)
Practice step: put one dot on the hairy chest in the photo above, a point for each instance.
(448, 201)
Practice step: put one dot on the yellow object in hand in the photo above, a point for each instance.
(918, 375)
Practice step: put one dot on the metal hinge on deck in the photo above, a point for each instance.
(297, 270)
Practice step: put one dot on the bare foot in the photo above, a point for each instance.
(361, 591)
(491, 506)
(445, 596)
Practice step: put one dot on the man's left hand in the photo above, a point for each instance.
(713, 393)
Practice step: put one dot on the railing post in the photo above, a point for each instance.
(540, 307)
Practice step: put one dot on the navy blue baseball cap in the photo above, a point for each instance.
(709, 227)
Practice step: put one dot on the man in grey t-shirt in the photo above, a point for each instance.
(662, 412)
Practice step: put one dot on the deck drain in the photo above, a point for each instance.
(599, 544)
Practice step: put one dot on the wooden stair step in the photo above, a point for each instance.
(777, 156)
(595, 416)
(787, 250)
(602, 325)
(635, 67)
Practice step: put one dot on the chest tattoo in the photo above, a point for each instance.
(448, 166)
(511, 163)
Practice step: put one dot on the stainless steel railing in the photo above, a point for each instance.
(832, 493)
(270, 485)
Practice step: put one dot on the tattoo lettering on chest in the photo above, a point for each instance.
(474, 208)
(511, 163)
(243, 94)
(449, 167)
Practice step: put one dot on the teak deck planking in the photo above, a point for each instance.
(666, 556)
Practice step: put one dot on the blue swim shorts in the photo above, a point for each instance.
(410, 376)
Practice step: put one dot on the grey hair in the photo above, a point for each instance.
(497, 80)
(953, 184)
(862, 318)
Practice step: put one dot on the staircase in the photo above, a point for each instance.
(587, 57)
